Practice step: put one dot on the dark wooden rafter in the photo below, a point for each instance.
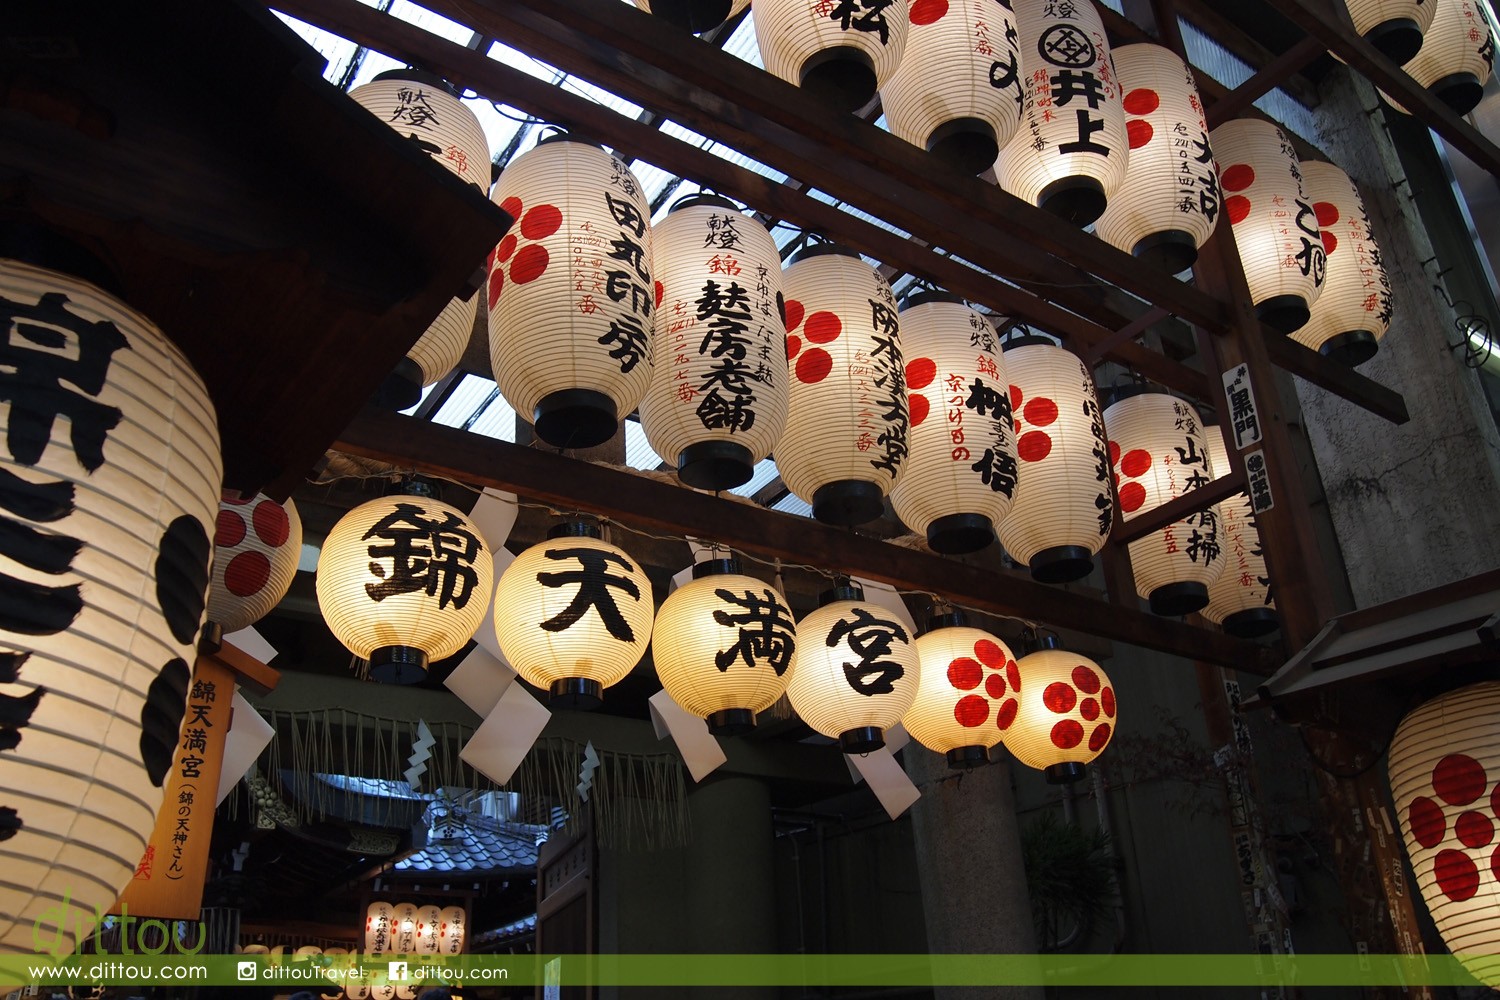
(1266, 79)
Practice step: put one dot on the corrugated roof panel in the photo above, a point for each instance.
(464, 403)
(638, 453)
(337, 51)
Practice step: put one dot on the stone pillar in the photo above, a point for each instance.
(730, 885)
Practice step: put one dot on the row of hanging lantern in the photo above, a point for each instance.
(412, 929)
(1445, 46)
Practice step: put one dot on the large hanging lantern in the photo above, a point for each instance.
(846, 432)
(966, 694)
(573, 615)
(379, 920)
(1064, 715)
(257, 543)
(1456, 58)
(722, 646)
(1169, 201)
(1444, 764)
(429, 929)
(112, 470)
(1394, 27)
(718, 397)
(1063, 509)
(1354, 310)
(571, 293)
(960, 475)
(959, 89)
(404, 580)
(1240, 599)
(694, 15)
(855, 671)
(1071, 151)
(841, 53)
(1275, 228)
(451, 930)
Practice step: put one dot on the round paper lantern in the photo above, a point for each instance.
(1354, 310)
(959, 478)
(404, 929)
(722, 645)
(1071, 151)
(1064, 714)
(966, 694)
(958, 91)
(1063, 509)
(841, 53)
(694, 15)
(855, 671)
(1394, 27)
(451, 936)
(1456, 58)
(379, 926)
(429, 929)
(1444, 765)
(1169, 201)
(571, 292)
(845, 438)
(402, 581)
(257, 543)
(573, 615)
(1275, 228)
(1158, 453)
(112, 475)
(718, 397)
(1240, 599)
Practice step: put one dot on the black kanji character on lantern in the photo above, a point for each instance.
(1066, 45)
(628, 340)
(765, 631)
(1006, 75)
(1068, 84)
(718, 411)
(717, 299)
(870, 639)
(863, 15)
(625, 214)
(594, 582)
(1205, 544)
(987, 400)
(722, 232)
(1190, 455)
(1312, 259)
(435, 554)
(15, 714)
(1087, 126)
(997, 470)
(412, 108)
(630, 252)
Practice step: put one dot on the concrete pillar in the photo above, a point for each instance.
(730, 883)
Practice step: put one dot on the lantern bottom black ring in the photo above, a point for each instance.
(1176, 599)
(575, 418)
(848, 501)
(842, 77)
(1252, 623)
(1064, 774)
(578, 693)
(211, 638)
(1352, 348)
(1283, 313)
(402, 388)
(864, 739)
(715, 465)
(956, 534)
(398, 664)
(694, 15)
(1400, 39)
(968, 145)
(967, 758)
(1462, 92)
(731, 722)
(1171, 251)
(1062, 564)
(1077, 199)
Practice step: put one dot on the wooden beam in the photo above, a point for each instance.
(1176, 509)
(1266, 79)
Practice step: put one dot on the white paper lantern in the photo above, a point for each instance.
(960, 475)
(1457, 56)
(404, 929)
(1240, 599)
(722, 644)
(429, 929)
(402, 581)
(718, 397)
(694, 15)
(573, 615)
(1275, 228)
(1064, 715)
(379, 927)
(1063, 508)
(571, 292)
(965, 694)
(845, 438)
(855, 671)
(840, 53)
(1354, 310)
(1169, 201)
(1071, 151)
(112, 476)
(1444, 764)
(1394, 27)
(451, 934)
(959, 89)
(257, 543)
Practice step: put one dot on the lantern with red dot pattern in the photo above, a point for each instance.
(1065, 713)
(694, 15)
(840, 53)
(967, 694)
(257, 543)
(1240, 599)
(1456, 58)
(1395, 27)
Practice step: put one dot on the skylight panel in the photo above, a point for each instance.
(724, 152)
(742, 44)
(638, 453)
(601, 96)
(684, 133)
(338, 52)
(518, 60)
(499, 129)
(435, 23)
(1214, 60)
(793, 504)
(497, 420)
(426, 391)
(460, 408)
(765, 471)
(373, 64)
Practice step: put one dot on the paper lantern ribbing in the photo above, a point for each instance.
(855, 671)
(966, 694)
(1457, 56)
(1354, 310)
(402, 581)
(1240, 599)
(1444, 764)
(722, 645)
(451, 931)
(573, 615)
(571, 292)
(1065, 714)
(718, 397)
(845, 438)
(960, 473)
(1169, 201)
(1275, 228)
(959, 90)
(429, 926)
(112, 466)
(1063, 508)
(1071, 151)
(694, 15)
(1394, 27)
(257, 543)
(841, 53)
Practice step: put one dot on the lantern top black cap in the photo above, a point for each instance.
(1113, 394)
(821, 250)
(716, 567)
(705, 199)
(1029, 340)
(926, 295)
(948, 619)
(843, 590)
(574, 529)
(563, 135)
(417, 76)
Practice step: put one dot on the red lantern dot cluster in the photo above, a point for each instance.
(1458, 780)
(247, 572)
(1094, 702)
(1238, 177)
(1132, 465)
(1328, 214)
(1037, 412)
(1001, 680)
(1139, 102)
(919, 375)
(822, 327)
(525, 263)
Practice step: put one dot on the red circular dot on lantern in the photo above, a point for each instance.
(1114, 453)
(1457, 875)
(1495, 801)
(823, 327)
(660, 291)
(1474, 829)
(497, 285)
(1099, 737)
(1139, 132)
(794, 313)
(793, 345)
(1327, 212)
(1007, 714)
(814, 365)
(1330, 241)
(965, 674)
(541, 222)
(1137, 462)
(529, 264)
(1034, 446)
(1237, 208)
(1142, 101)
(1458, 779)
(1425, 817)
(989, 654)
(918, 407)
(1107, 700)
(1059, 697)
(1238, 177)
(1089, 709)
(1086, 680)
(994, 686)
(1015, 398)
(511, 206)
(247, 573)
(928, 11)
(1013, 675)
(271, 523)
(1132, 497)
(1040, 412)
(920, 373)
(972, 711)
(1067, 734)
(507, 247)
(229, 530)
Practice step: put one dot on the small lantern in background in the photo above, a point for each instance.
(840, 53)
(694, 15)
(967, 693)
(257, 543)
(1240, 599)
(1354, 310)
(845, 439)
(855, 671)
(1394, 27)
(404, 929)
(429, 927)
(1064, 715)
(573, 615)
(379, 926)
(722, 645)
(1456, 58)
(451, 934)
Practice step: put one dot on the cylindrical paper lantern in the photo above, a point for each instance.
(1354, 310)
(573, 615)
(451, 937)
(846, 432)
(1063, 508)
(966, 694)
(404, 929)
(379, 927)
(722, 645)
(1240, 599)
(1275, 228)
(1158, 453)
(1071, 152)
(1169, 201)
(257, 543)
(571, 293)
(1457, 56)
(112, 475)
(429, 927)
(1444, 763)
(718, 397)
(694, 15)
(1394, 27)
(855, 671)
(841, 53)
(1064, 714)
(402, 581)
(959, 89)
(959, 478)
